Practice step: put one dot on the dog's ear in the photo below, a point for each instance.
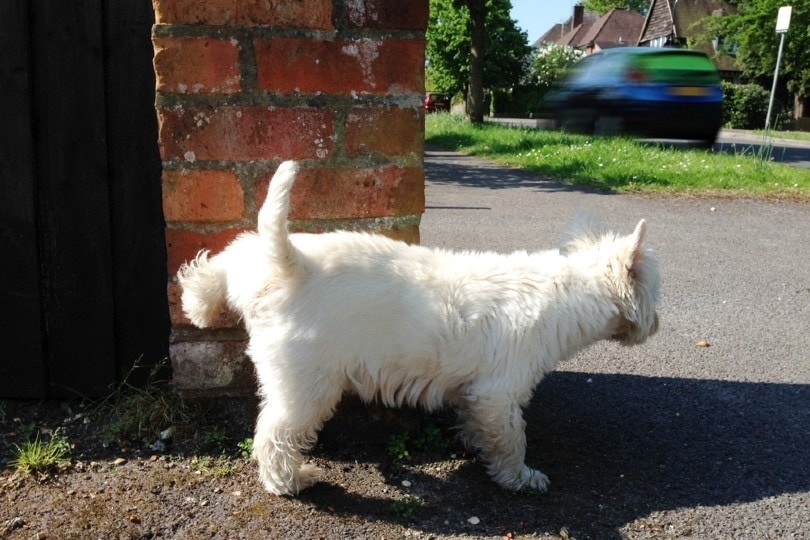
(636, 248)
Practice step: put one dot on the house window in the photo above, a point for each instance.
(723, 45)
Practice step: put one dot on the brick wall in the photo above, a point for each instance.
(245, 84)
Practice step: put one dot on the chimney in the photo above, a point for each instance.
(579, 16)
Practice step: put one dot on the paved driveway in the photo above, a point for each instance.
(667, 439)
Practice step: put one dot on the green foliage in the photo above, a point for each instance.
(603, 6)
(213, 467)
(431, 438)
(448, 46)
(744, 105)
(617, 164)
(752, 29)
(135, 412)
(398, 448)
(406, 507)
(28, 430)
(39, 456)
(245, 447)
(550, 63)
(216, 440)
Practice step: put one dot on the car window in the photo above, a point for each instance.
(676, 68)
(581, 70)
(595, 67)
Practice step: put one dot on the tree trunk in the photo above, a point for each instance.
(475, 94)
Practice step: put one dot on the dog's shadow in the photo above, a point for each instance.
(616, 447)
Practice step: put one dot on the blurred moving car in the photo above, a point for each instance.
(436, 101)
(642, 91)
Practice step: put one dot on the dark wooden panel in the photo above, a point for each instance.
(73, 195)
(21, 360)
(139, 251)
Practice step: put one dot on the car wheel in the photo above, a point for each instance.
(707, 143)
(608, 125)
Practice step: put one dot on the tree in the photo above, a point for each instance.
(752, 29)
(466, 56)
(550, 62)
(603, 6)
(475, 84)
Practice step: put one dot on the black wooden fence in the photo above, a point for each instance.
(82, 251)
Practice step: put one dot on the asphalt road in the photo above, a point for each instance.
(670, 438)
(732, 141)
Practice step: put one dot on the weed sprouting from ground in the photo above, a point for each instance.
(398, 448)
(245, 447)
(406, 507)
(39, 456)
(216, 440)
(402, 446)
(134, 412)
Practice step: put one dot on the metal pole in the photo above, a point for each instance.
(775, 76)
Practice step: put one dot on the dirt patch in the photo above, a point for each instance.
(388, 474)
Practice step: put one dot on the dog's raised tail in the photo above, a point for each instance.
(272, 220)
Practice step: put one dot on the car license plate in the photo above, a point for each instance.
(690, 91)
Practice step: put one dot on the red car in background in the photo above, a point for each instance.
(436, 101)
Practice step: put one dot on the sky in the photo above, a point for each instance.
(537, 17)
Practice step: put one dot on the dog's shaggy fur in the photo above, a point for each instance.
(409, 325)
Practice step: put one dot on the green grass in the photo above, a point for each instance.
(621, 165)
(793, 135)
(38, 456)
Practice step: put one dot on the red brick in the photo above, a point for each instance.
(391, 131)
(387, 14)
(196, 65)
(244, 133)
(202, 195)
(182, 245)
(195, 11)
(337, 193)
(314, 14)
(291, 65)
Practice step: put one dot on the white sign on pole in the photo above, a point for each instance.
(782, 23)
(783, 19)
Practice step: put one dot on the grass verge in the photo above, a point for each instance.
(621, 165)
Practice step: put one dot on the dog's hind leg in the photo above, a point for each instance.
(493, 425)
(287, 426)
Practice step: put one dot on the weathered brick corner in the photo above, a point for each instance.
(243, 85)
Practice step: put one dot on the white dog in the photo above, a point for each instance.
(408, 325)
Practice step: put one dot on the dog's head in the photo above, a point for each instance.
(639, 284)
(632, 274)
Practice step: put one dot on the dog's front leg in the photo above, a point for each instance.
(494, 426)
(287, 426)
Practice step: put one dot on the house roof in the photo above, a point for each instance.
(557, 31)
(617, 27)
(675, 19)
(561, 31)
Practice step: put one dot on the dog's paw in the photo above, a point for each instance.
(308, 475)
(534, 479)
